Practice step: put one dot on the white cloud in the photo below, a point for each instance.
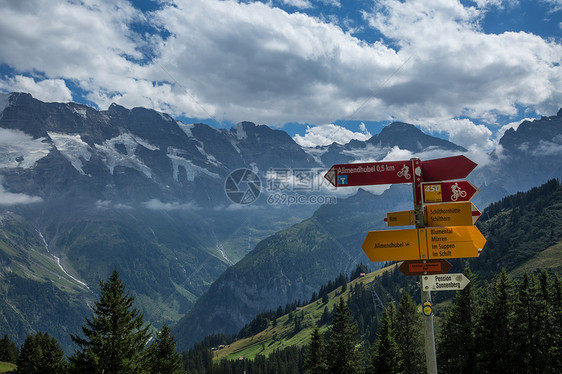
(45, 90)
(464, 132)
(9, 198)
(108, 204)
(546, 148)
(328, 134)
(89, 42)
(496, 3)
(103, 204)
(156, 204)
(301, 4)
(260, 62)
(555, 4)
(459, 69)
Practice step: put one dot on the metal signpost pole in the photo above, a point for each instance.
(429, 334)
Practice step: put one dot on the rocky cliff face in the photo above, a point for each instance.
(133, 154)
(524, 158)
(397, 134)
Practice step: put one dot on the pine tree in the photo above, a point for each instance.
(530, 335)
(344, 354)
(8, 350)
(494, 328)
(115, 336)
(41, 354)
(162, 355)
(555, 351)
(456, 351)
(548, 337)
(386, 352)
(409, 336)
(315, 355)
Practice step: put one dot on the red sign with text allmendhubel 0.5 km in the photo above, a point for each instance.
(392, 172)
(370, 173)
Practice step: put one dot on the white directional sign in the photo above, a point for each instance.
(444, 282)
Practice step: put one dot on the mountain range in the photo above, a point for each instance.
(84, 191)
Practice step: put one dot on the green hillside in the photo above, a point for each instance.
(519, 228)
(282, 333)
(38, 295)
(550, 259)
(6, 367)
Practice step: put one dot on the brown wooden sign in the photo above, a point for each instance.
(422, 267)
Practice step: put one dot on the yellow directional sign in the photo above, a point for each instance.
(403, 218)
(392, 245)
(451, 214)
(454, 242)
(438, 215)
(423, 244)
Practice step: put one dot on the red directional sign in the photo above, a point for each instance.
(423, 267)
(390, 172)
(370, 173)
(442, 169)
(448, 192)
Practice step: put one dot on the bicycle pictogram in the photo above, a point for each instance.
(404, 172)
(457, 192)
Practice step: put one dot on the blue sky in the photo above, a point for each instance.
(324, 70)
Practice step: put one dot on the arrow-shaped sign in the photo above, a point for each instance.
(442, 169)
(423, 244)
(437, 215)
(451, 214)
(370, 173)
(454, 242)
(444, 282)
(392, 245)
(423, 267)
(403, 218)
(448, 191)
(391, 172)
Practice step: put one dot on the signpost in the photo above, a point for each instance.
(444, 229)
(424, 243)
(448, 168)
(454, 242)
(423, 267)
(448, 191)
(392, 245)
(444, 282)
(370, 173)
(458, 214)
(438, 215)
(391, 172)
(404, 218)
